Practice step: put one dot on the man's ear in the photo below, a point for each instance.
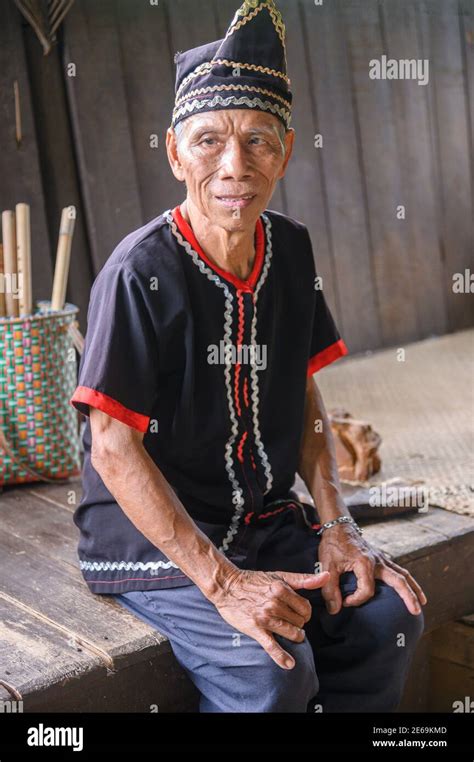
(173, 157)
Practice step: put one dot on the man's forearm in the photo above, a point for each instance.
(153, 507)
(317, 461)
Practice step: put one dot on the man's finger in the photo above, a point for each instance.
(274, 650)
(365, 585)
(304, 581)
(284, 628)
(411, 581)
(286, 592)
(279, 610)
(401, 586)
(331, 592)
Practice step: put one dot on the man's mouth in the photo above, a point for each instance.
(238, 201)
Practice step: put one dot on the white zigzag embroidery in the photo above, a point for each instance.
(253, 371)
(237, 493)
(126, 565)
(197, 104)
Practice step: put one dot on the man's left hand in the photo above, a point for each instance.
(342, 549)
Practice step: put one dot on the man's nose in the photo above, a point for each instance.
(235, 160)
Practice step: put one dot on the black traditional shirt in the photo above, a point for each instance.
(212, 369)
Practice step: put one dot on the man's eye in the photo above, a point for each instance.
(213, 141)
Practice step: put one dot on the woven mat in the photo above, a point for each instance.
(423, 408)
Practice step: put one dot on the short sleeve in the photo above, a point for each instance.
(326, 344)
(119, 365)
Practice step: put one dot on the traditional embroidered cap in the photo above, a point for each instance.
(245, 69)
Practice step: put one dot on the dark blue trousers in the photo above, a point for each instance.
(354, 661)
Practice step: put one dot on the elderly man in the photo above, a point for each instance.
(205, 328)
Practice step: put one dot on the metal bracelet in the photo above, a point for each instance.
(340, 520)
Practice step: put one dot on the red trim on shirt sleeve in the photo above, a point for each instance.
(87, 396)
(326, 356)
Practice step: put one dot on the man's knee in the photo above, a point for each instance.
(289, 690)
(247, 679)
(396, 626)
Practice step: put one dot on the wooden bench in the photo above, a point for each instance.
(64, 649)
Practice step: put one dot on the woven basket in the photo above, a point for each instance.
(39, 434)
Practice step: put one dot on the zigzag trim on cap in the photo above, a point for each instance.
(214, 88)
(192, 106)
(207, 66)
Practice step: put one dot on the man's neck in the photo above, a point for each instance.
(232, 251)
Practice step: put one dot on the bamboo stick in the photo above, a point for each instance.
(9, 261)
(23, 252)
(63, 255)
(3, 306)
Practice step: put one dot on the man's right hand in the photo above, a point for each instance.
(261, 603)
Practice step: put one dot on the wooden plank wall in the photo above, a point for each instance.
(386, 143)
(20, 174)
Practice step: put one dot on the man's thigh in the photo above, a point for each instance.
(362, 654)
(232, 670)
(187, 617)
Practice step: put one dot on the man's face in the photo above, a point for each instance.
(223, 155)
